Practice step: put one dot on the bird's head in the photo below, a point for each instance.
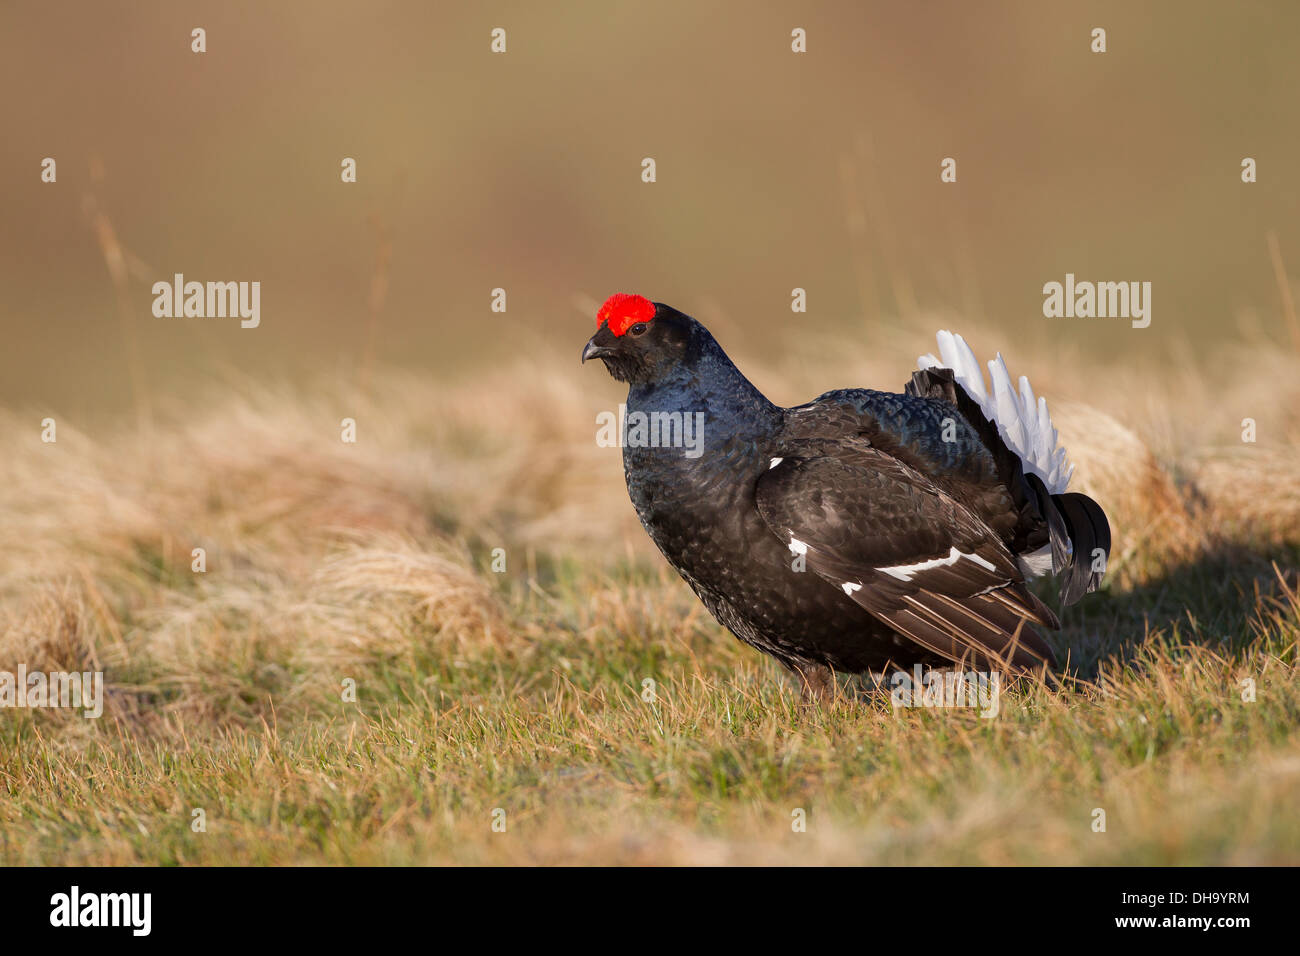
(640, 341)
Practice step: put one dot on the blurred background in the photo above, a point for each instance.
(522, 171)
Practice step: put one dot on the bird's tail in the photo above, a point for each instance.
(1079, 539)
(1017, 430)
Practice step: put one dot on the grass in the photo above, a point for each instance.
(522, 693)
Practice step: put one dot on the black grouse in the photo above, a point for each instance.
(864, 530)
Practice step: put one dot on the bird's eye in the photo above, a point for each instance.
(638, 329)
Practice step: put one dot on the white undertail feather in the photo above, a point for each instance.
(1021, 419)
(1034, 564)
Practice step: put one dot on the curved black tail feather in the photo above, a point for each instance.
(1089, 534)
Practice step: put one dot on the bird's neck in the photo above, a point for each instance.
(709, 383)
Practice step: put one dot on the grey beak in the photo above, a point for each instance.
(592, 350)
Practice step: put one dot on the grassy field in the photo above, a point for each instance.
(519, 698)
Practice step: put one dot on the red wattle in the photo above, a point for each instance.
(622, 311)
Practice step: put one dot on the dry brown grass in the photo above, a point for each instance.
(328, 561)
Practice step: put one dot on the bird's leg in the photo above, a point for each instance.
(816, 682)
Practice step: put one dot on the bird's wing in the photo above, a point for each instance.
(921, 429)
(938, 430)
(905, 551)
